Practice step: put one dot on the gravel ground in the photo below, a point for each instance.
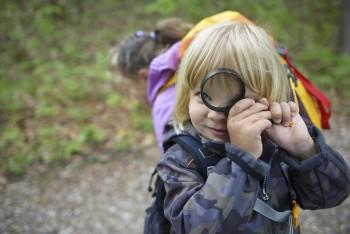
(111, 197)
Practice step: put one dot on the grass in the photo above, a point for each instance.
(57, 101)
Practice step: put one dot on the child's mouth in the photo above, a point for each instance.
(218, 132)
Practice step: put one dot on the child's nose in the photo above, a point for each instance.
(216, 115)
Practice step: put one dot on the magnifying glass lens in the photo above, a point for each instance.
(221, 89)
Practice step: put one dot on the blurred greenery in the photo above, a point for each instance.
(57, 101)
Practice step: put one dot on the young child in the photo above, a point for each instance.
(153, 57)
(260, 133)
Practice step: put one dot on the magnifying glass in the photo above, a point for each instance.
(221, 88)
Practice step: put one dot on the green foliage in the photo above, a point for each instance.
(328, 68)
(18, 163)
(114, 100)
(141, 121)
(124, 140)
(91, 134)
(163, 7)
(122, 146)
(53, 71)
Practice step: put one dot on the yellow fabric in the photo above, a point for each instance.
(295, 214)
(169, 83)
(309, 103)
(292, 87)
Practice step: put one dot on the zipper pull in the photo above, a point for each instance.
(265, 196)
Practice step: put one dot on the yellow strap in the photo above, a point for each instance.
(169, 83)
(295, 214)
(295, 99)
(309, 103)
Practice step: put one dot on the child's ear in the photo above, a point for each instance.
(143, 73)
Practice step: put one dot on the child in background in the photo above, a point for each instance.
(154, 57)
(260, 132)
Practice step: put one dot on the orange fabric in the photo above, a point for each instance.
(169, 83)
(204, 23)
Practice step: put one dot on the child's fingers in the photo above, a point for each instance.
(253, 118)
(251, 111)
(262, 125)
(276, 112)
(240, 106)
(293, 112)
(242, 110)
(264, 101)
(283, 113)
(293, 109)
(251, 126)
(286, 114)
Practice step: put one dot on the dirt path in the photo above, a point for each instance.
(111, 197)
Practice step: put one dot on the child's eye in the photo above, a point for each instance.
(198, 97)
(206, 96)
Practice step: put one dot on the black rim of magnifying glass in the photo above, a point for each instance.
(212, 74)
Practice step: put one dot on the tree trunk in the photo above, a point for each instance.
(344, 45)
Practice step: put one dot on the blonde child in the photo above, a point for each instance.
(261, 132)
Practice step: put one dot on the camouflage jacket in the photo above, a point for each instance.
(223, 203)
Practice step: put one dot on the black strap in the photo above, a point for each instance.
(285, 171)
(202, 155)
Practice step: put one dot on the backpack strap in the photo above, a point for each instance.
(266, 210)
(202, 155)
(295, 206)
(274, 215)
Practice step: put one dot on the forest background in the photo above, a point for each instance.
(59, 105)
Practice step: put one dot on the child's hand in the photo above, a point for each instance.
(246, 121)
(289, 131)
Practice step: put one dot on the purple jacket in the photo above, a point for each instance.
(160, 71)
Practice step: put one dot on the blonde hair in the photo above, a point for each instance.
(245, 48)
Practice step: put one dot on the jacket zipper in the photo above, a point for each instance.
(265, 195)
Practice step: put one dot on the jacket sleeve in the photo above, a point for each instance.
(321, 181)
(225, 200)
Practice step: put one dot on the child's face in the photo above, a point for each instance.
(209, 123)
